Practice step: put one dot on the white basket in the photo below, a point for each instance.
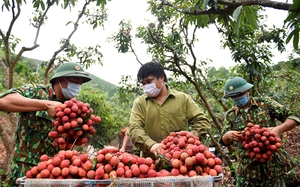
(171, 181)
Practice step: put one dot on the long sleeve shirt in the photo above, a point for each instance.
(264, 112)
(151, 122)
(31, 137)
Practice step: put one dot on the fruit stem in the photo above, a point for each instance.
(73, 144)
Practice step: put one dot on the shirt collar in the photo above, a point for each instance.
(52, 94)
(170, 91)
(253, 103)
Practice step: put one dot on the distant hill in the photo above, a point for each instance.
(33, 65)
(104, 86)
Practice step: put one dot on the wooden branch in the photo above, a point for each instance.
(264, 3)
(51, 62)
(14, 18)
(231, 5)
(5, 69)
(133, 51)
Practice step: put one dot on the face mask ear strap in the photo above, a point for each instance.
(60, 84)
(66, 80)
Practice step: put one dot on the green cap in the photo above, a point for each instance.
(236, 86)
(71, 69)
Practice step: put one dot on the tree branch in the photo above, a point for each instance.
(51, 62)
(231, 5)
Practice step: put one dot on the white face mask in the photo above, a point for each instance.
(151, 90)
(71, 91)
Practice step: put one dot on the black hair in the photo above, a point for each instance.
(151, 68)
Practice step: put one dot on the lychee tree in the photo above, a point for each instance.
(173, 36)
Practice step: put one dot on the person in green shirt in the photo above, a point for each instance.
(162, 110)
(35, 105)
(264, 112)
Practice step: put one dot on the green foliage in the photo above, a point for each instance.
(293, 23)
(284, 84)
(101, 3)
(22, 69)
(128, 89)
(123, 37)
(228, 14)
(251, 48)
(86, 56)
(221, 72)
(109, 127)
(217, 79)
(12, 44)
(26, 71)
(3, 178)
(246, 15)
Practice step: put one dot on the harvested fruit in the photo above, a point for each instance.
(185, 155)
(74, 124)
(260, 142)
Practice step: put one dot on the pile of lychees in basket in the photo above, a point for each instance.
(260, 142)
(184, 155)
(73, 124)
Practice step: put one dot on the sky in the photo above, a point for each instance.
(115, 64)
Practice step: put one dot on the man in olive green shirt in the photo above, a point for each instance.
(160, 111)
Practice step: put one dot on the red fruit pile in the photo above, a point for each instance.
(189, 160)
(111, 162)
(108, 162)
(260, 142)
(74, 122)
(189, 157)
(66, 164)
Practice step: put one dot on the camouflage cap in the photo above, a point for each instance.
(71, 69)
(236, 86)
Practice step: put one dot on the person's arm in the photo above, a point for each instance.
(125, 141)
(15, 102)
(283, 114)
(287, 125)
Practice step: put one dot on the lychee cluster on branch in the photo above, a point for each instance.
(75, 121)
(260, 142)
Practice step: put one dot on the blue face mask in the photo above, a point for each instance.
(241, 101)
(71, 90)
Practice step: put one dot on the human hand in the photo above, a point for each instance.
(122, 149)
(234, 136)
(275, 130)
(51, 105)
(156, 148)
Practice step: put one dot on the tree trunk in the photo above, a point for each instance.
(7, 132)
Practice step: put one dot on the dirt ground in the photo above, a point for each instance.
(292, 145)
